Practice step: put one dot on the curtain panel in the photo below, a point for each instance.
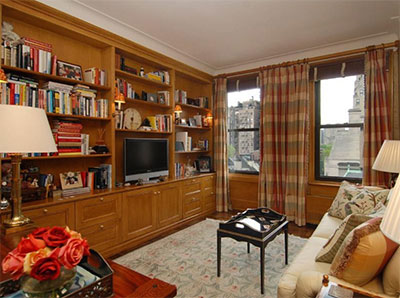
(377, 115)
(220, 144)
(284, 135)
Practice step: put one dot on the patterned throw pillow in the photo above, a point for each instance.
(354, 199)
(329, 250)
(363, 254)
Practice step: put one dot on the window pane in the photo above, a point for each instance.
(341, 152)
(342, 100)
(244, 146)
(244, 151)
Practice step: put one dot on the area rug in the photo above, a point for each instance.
(188, 259)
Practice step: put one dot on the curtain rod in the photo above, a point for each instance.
(312, 59)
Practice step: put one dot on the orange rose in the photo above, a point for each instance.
(73, 234)
(13, 264)
(71, 253)
(32, 257)
(30, 244)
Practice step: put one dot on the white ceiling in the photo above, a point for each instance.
(221, 35)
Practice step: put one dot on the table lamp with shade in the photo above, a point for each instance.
(22, 130)
(388, 160)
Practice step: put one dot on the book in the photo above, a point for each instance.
(182, 136)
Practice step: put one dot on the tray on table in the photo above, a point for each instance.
(94, 278)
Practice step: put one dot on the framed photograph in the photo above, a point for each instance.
(71, 180)
(161, 98)
(192, 122)
(152, 97)
(203, 164)
(183, 121)
(68, 70)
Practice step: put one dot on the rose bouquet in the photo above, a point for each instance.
(43, 254)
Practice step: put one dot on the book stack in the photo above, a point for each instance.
(58, 99)
(180, 96)
(30, 54)
(84, 102)
(125, 88)
(120, 64)
(68, 137)
(95, 75)
(99, 177)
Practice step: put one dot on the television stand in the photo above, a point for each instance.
(147, 181)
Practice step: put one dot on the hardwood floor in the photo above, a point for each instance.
(304, 232)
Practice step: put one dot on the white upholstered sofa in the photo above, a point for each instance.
(303, 278)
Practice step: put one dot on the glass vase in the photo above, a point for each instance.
(33, 288)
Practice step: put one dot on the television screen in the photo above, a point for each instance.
(145, 158)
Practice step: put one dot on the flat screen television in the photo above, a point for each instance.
(145, 159)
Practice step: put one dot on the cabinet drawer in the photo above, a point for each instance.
(192, 181)
(209, 181)
(191, 188)
(192, 204)
(58, 215)
(97, 210)
(101, 236)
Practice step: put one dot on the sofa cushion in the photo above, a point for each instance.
(356, 199)
(363, 254)
(329, 250)
(326, 226)
(391, 275)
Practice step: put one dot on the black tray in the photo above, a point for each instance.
(102, 288)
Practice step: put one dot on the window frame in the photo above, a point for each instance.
(317, 129)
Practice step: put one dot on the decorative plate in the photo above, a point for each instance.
(132, 119)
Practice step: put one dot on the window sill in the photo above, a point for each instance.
(324, 183)
(243, 177)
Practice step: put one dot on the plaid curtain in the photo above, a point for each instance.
(284, 140)
(377, 115)
(220, 144)
(394, 88)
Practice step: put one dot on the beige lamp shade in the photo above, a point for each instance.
(388, 159)
(25, 130)
(390, 225)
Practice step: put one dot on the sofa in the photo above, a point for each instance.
(303, 277)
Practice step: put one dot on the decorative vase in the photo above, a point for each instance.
(33, 288)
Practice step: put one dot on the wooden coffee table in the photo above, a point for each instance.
(256, 226)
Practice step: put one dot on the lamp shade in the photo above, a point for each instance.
(24, 130)
(390, 225)
(388, 159)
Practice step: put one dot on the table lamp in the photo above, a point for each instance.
(388, 160)
(22, 130)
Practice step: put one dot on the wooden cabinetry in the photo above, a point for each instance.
(138, 212)
(208, 192)
(191, 195)
(169, 204)
(57, 215)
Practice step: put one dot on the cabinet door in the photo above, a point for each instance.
(56, 215)
(169, 204)
(97, 210)
(191, 197)
(101, 236)
(138, 212)
(208, 191)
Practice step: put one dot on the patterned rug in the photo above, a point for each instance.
(188, 259)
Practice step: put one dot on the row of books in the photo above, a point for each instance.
(125, 88)
(95, 75)
(69, 138)
(180, 96)
(180, 170)
(161, 122)
(159, 75)
(30, 54)
(201, 101)
(183, 137)
(53, 97)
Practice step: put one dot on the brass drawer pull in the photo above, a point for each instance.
(212, 192)
(45, 210)
(101, 227)
(102, 199)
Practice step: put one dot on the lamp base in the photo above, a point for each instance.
(23, 230)
(16, 222)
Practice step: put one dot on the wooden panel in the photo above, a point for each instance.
(169, 204)
(97, 210)
(138, 213)
(191, 197)
(243, 191)
(316, 207)
(58, 215)
(103, 235)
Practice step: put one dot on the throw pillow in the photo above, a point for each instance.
(356, 199)
(329, 250)
(391, 276)
(363, 254)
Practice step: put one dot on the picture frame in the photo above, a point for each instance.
(69, 70)
(183, 122)
(161, 98)
(192, 122)
(152, 97)
(71, 180)
(203, 164)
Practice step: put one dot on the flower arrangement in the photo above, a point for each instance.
(43, 252)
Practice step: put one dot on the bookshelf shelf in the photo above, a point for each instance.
(48, 77)
(62, 157)
(127, 75)
(192, 152)
(184, 105)
(143, 131)
(77, 117)
(192, 127)
(147, 103)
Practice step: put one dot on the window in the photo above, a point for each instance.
(243, 131)
(339, 128)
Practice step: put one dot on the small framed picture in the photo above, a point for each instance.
(71, 180)
(161, 98)
(203, 164)
(192, 122)
(152, 97)
(68, 70)
(183, 121)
